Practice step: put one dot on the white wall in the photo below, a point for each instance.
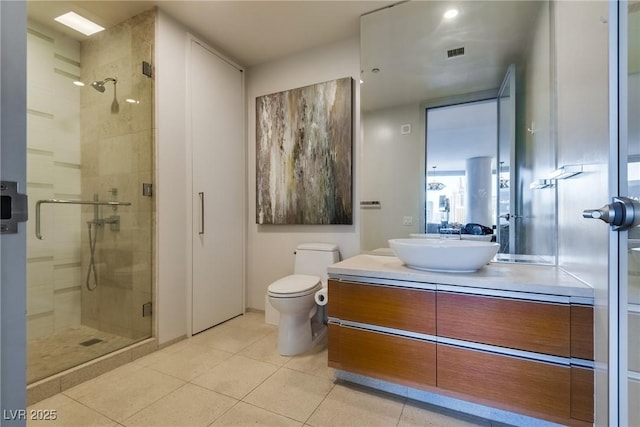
(171, 180)
(391, 169)
(270, 248)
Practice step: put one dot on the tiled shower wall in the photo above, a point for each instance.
(53, 152)
(117, 159)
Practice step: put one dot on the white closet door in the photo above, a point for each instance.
(218, 189)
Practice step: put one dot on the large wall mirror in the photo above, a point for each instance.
(458, 124)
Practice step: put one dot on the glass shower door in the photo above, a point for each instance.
(89, 153)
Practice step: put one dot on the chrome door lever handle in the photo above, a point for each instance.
(620, 213)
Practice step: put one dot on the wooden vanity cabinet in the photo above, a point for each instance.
(467, 346)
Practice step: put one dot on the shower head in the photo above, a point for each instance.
(99, 84)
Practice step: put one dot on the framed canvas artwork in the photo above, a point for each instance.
(303, 155)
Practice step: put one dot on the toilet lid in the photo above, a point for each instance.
(294, 284)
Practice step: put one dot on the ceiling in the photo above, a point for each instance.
(249, 32)
(404, 62)
(407, 45)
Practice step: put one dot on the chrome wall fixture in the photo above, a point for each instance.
(541, 183)
(563, 172)
(566, 171)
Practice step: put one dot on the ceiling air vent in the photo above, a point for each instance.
(452, 53)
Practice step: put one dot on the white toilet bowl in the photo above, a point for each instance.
(293, 297)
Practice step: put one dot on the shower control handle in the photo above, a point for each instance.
(201, 194)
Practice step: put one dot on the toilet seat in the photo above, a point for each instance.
(295, 285)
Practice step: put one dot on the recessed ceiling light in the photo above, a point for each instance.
(79, 23)
(451, 13)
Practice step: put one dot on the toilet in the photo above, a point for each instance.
(301, 323)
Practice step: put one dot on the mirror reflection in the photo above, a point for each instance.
(457, 124)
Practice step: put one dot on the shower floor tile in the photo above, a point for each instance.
(49, 355)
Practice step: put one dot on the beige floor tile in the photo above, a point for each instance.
(244, 414)
(422, 414)
(290, 393)
(190, 405)
(123, 392)
(266, 350)
(236, 376)
(251, 320)
(349, 406)
(314, 362)
(229, 338)
(67, 413)
(152, 358)
(190, 361)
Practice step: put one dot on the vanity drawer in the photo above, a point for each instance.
(525, 325)
(389, 306)
(582, 332)
(582, 385)
(536, 388)
(383, 356)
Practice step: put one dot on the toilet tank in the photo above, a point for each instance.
(314, 258)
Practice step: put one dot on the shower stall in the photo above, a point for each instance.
(89, 179)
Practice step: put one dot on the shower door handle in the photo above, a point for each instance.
(201, 194)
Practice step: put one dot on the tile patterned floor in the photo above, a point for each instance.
(56, 353)
(232, 375)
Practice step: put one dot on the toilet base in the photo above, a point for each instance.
(298, 334)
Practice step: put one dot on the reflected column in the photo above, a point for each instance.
(479, 191)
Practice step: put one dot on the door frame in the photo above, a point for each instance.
(618, 408)
(13, 247)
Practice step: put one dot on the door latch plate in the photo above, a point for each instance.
(13, 207)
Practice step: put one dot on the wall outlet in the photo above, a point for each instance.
(407, 220)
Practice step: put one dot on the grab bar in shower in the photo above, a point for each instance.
(71, 202)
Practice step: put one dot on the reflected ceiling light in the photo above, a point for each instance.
(132, 101)
(78, 83)
(79, 23)
(451, 13)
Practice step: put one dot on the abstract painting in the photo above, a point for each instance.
(303, 155)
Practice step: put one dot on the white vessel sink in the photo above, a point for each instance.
(444, 255)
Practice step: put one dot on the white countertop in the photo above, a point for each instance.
(538, 279)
